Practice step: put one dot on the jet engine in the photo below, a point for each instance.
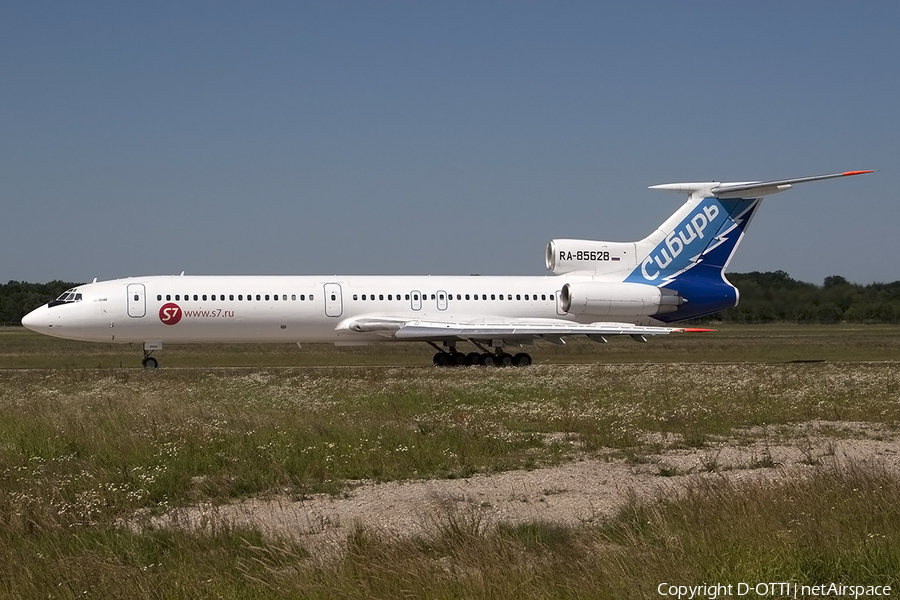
(617, 299)
(568, 256)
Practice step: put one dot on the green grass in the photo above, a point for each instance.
(85, 449)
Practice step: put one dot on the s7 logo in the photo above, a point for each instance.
(170, 313)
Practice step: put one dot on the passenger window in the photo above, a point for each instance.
(231, 296)
(310, 296)
(258, 297)
(136, 297)
(543, 296)
(195, 297)
(293, 296)
(275, 297)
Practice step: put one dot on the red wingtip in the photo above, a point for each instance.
(846, 173)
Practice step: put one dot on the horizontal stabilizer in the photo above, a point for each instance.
(746, 189)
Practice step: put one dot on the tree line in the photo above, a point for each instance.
(774, 296)
(18, 298)
(764, 298)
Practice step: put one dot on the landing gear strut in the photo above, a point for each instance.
(451, 357)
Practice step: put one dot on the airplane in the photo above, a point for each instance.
(597, 289)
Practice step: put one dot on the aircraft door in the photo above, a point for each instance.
(415, 298)
(137, 301)
(441, 300)
(334, 303)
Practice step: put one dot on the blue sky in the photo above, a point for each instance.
(435, 138)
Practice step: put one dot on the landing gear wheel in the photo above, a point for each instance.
(150, 363)
(487, 359)
(442, 359)
(473, 358)
(457, 359)
(504, 360)
(522, 359)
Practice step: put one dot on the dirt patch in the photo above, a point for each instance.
(585, 490)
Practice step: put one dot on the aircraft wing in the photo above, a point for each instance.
(506, 329)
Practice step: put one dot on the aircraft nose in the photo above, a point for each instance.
(36, 320)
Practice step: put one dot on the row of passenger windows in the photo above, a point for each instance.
(239, 297)
(446, 296)
(416, 297)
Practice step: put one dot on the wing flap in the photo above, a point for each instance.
(521, 330)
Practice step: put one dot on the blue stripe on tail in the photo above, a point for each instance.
(691, 260)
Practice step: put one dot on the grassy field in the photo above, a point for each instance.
(86, 446)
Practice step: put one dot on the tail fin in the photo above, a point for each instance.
(691, 250)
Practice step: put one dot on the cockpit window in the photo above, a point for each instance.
(67, 297)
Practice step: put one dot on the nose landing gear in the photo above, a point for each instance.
(149, 362)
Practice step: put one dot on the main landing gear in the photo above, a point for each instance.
(451, 357)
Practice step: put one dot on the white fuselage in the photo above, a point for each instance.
(185, 309)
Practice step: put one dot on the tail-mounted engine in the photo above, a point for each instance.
(569, 256)
(617, 299)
